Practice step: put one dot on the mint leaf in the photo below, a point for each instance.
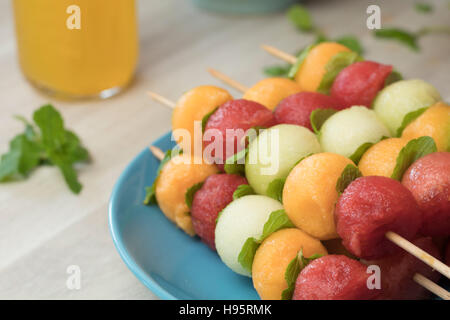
(414, 150)
(338, 62)
(351, 42)
(247, 253)
(301, 57)
(349, 174)
(293, 270)
(275, 189)
(206, 118)
(394, 76)
(402, 36)
(300, 17)
(410, 117)
(277, 220)
(189, 196)
(423, 7)
(236, 163)
(318, 118)
(356, 156)
(150, 195)
(242, 190)
(62, 147)
(277, 71)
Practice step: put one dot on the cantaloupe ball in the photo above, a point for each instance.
(381, 158)
(274, 153)
(176, 177)
(269, 92)
(395, 101)
(241, 219)
(345, 131)
(435, 123)
(193, 106)
(312, 69)
(309, 194)
(273, 257)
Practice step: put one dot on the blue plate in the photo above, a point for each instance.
(165, 259)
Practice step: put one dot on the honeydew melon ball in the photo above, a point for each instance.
(241, 219)
(345, 131)
(274, 153)
(395, 101)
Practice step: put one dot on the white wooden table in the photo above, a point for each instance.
(44, 228)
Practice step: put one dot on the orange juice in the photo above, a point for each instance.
(77, 48)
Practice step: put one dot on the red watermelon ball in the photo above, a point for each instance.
(232, 116)
(297, 108)
(398, 270)
(428, 179)
(215, 194)
(334, 277)
(359, 83)
(371, 206)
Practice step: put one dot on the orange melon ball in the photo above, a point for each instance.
(312, 69)
(435, 123)
(309, 194)
(269, 92)
(193, 106)
(381, 158)
(176, 177)
(273, 257)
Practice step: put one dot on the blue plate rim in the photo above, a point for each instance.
(146, 279)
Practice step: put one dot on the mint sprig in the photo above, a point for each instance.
(408, 118)
(242, 191)
(277, 220)
(414, 150)
(349, 174)
(46, 141)
(293, 270)
(318, 118)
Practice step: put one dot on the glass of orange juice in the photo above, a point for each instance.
(77, 48)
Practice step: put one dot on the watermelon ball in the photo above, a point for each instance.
(395, 101)
(435, 123)
(381, 158)
(297, 108)
(309, 194)
(428, 179)
(273, 257)
(241, 219)
(193, 106)
(398, 270)
(359, 83)
(215, 194)
(274, 153)
(176, 177)
(233, 118)
(371, 206)
(334, 277)
(269, 92)
(345, 131)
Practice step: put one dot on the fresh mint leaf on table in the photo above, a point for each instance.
(44, 142)
(300, 17)
(405, 37)
(423, 7)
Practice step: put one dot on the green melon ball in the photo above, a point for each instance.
(274, 153)
(395, 101)
(241, 219)
(345, 131)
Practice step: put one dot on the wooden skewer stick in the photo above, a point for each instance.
(431, 286)
(280, 54)
(164, 101)
(226, 79)
(419, 253)
(157, 152)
